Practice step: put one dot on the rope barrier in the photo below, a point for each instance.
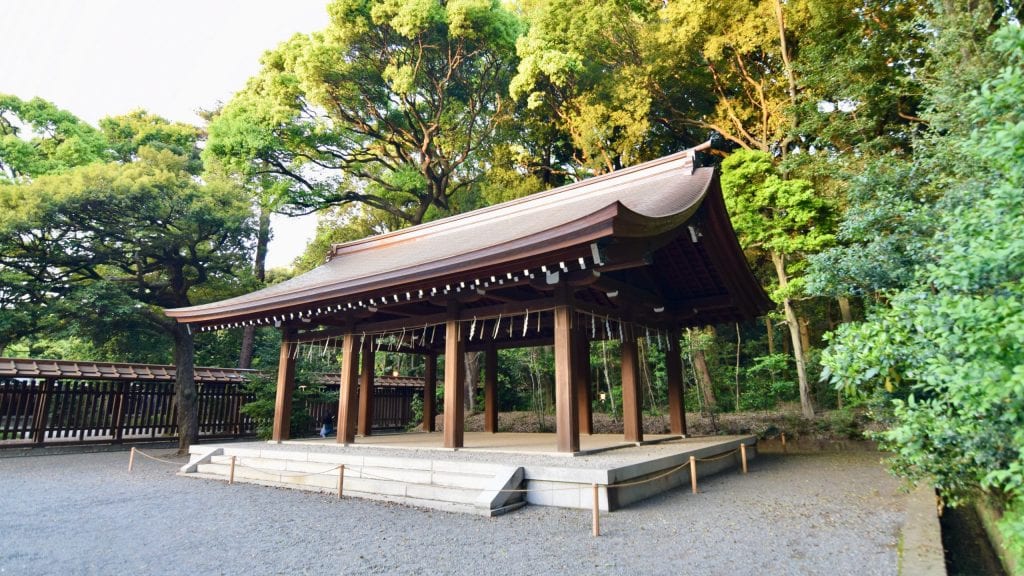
(131, 458)
(596, 530)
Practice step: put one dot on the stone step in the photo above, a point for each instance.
(456, 487)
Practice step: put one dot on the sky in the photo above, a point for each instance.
(99, 58)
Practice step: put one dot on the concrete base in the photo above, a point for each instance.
(415, 469)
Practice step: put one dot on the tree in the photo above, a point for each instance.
(392, 106)
(949, 343)
(38, 138)
(118, 241)
(787, 220)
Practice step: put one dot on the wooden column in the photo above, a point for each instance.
(581, 375)
(632, 407)
(454, 383)
(491, 388)
(42, 413)
(674, 381)
(347, 391)
(285, 387)
(365, 427)
(566, 419)
(429, 392)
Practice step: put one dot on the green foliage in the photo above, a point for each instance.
(38, 138)
(954, 335)
(261, 409)
(393, 106)
(770, 213)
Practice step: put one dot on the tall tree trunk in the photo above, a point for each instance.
(472, 379)
(805, 337)
(806, 405)
(704, 380)
(185, 388)
(739, 341)
(771, 334)
(260, 271)
(844, 309)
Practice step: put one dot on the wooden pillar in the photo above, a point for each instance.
(365, 427)
(454, 383)
(429, 392)
(285, 387)
(632, 407)
(566, 419)
(120, 405)
(347, 390)
(581, 376)
(674, 382)
(491, 388)
(42, 412)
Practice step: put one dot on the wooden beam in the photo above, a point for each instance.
(429, 392)
(622, 291)
(365, 427)
(581, 375)
(347, 390)
(632, 408)
(566, 419)
(454, 383)
(674, 382)
(491, 388)
(285, 387)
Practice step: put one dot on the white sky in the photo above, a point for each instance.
(101, 58)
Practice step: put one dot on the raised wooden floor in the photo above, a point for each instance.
(493, 474)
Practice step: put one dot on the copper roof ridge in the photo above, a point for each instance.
(531, 199)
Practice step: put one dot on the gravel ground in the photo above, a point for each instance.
(828, 513)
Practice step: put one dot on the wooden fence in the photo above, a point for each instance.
(60, 411)
(63, 402)
(392, 406)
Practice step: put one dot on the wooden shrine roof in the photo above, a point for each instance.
(664, 218)
(78, 370)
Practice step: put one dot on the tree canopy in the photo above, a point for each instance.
(394, 106)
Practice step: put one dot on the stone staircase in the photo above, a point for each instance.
(467, 487)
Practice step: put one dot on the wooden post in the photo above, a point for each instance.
(743, 456)
(120, 400)
(231, 475)
(783, 441)
(597, 511)
(131, 459)
(581, 375)
(430, 392)
(491, 388)
(566, 418)
(693, 474)
(454, 382)
(674, 382)
(632, 407)
(285, 387)
(347, 390)
(341, 480)
(42, 412)
(365, 426)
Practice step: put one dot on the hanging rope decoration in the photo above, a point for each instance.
(602, 326)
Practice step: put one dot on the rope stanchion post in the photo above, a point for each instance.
(693, 474)
(341, 480)
(131, 459)
(231, 476)
(743, 456)
(597, 511)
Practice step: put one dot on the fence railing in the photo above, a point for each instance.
(52, 411)
(64, 402)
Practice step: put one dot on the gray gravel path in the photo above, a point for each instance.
(793, 514)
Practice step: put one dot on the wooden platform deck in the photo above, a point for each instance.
(492, 474)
